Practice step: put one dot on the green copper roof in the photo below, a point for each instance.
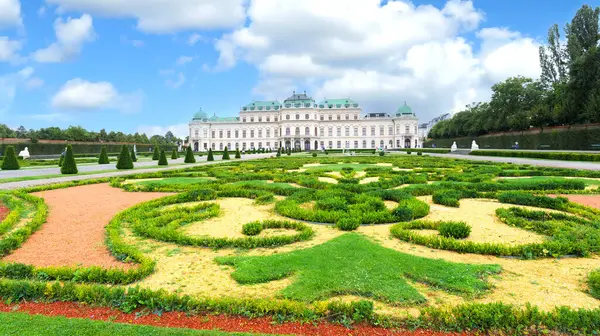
(262, 106)
(200, 115)
(214, 118)
(404, 110)
(338, 103)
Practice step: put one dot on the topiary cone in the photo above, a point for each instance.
(125, 161)
(103, 159)
(210, 155)
(237, 154)
(133, 156)
(156, 154)
(225, 154)
(189, 155)
(174, 155)
(69, 166)
(162, 160)
(11, 162)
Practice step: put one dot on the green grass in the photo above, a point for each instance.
(264, 183)
(353, 264)
(20, 324)
(339, 166)
(175, 181)
(588, 182)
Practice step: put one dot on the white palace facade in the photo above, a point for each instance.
(300, 122)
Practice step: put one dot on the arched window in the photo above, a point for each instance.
(221, 146)
(347, 131)
(287, 131)
(287, 117)
(339, 117)
(316, 133)
(339, 132)
(347, 117)
(306, 116)
(330, 131)
(307, 130)
(364, 144)
(297, 130)
(355, 132)
(297, 117)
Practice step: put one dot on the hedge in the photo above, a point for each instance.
(540, 155)
(10, 162)
(81, 149)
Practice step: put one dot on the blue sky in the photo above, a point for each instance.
(148, 67)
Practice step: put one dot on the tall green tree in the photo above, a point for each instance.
(69, 166)
(582, 33)
(554, 59)
(124, 161)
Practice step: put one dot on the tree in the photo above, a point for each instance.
(189, 155)
(162, 161)
(237, 153)
(69, 166)
(170, 138)
(22, 132)
(225, 154)
(554, 59)
(156, 154)
(103, 159)
(125, 161)
(133, 156)
(582, 33)
(11, 162)
(210, 156)
(174, 154)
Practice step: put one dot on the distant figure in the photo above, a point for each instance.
(516, 145)
(433, 146)
(24, 153)
(454, 147)
(474, 145)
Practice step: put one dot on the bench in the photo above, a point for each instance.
(544, 146)
(595, 146)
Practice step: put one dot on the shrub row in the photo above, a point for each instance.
(567, 156)
(16, 207)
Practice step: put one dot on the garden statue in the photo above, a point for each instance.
(134, 148)
(474, 145)
(24, 153)
(454, 147)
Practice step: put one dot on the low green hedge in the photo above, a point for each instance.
(566, 156)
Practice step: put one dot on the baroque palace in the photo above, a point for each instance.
(300, 122)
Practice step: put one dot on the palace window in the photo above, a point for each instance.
(259, 119)
(347, 131)
(330, 117)
(275, 118)
(322, 131)
(339, 144)
(205, 146)
(297, 130)
(356, 117)
(339, 132)
(355, 144)
(251, 145)
(229, 145)
(213, 134)
(228, 134)
(205, 132)
(243, 146)
(373, 130)
(347, 117)
(237, 134)
(221, 146)
(268, 144)
(381, 143)
(220, 134)
(213, 145)
(244, 134)
(260, 145)
(268, 118)
(297, 117)
(339, 117)
(355, 131)
(372, 143)
(322, 144)
(251, 133)
(268, 132)
(415, 130)
(287, 117)
(391, 130)
(381, 130)
(251, 119)
(330, 131)
(260, 133)
(364, 144)
(243, 119)
(330, 144)
(306, 116)
(196, 133)
(407, 129)
(275, 133)
(307, 130)
(364, 131)
(287, 131)
(322, 117)
(398, 143)
(237, 145)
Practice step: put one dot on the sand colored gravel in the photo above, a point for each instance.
(74, 232)
(369, 180)
(390, 204)
(328, 180)
(142, 180)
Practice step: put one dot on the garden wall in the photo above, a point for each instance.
(575, 137)
(78, 148)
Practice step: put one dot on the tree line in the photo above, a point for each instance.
(567, 92)
(78, 133)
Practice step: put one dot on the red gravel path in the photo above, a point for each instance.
(208, 322)
(74, 232)
(3, 212)
(589, 200)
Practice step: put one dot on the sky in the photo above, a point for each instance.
(149, 65)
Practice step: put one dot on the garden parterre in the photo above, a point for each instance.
(274, 230)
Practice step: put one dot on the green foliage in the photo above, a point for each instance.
(162, 161)
(174, 154)
(10, 161)
(420, 153)
(447, 197)
(252, 229)
(570, 156)
(593, 282)
(237, 153)
(351, 264)
(156, 154)
(103, 159)
(133, 156)
(210, 156)
(348, 223)
(225, 154)
(125, 161)
(458, 230)
(381, 153)
(278, 152)
(314, 154)
(69, 166)
(189, 155)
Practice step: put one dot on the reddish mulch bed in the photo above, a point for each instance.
(587, 200)
(207, 322)
(3, 212)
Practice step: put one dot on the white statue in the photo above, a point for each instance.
(454, 147)
(474, 145)
(24, 153)
(134, 148)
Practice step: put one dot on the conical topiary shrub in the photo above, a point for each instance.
(133, 156)
(156, 154)
(278, 152)
(174, 155)
(162, 160)
(69, 166)
(289, 151)
(103, 159)
(11, 162)
(125, 161)
(189, 155)
(237, 153)
(226, 154)
(210, 155)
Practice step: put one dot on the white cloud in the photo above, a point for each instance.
(194, 38)
(70, 37)
(10, 13)
(176, 83)
(179, 130)
(160, 16)
(34, 83)
(9, 84)
(9, 49)
(379, 55)
(182, 60)
(79, 94)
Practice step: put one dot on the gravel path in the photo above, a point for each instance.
(66, 178)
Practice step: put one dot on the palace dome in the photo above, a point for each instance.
(200, 115)
(404, 111)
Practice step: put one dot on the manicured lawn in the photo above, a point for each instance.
(340, 166)
(20, 324)
(353, 264)
(587, 181)
(171, 181)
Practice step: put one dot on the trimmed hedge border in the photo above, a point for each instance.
(566, 156)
